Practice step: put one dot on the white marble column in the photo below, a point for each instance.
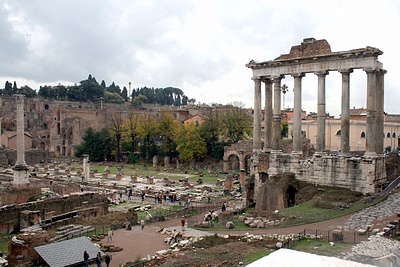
(345, 113)
(379, 94)
(297, 142)
(321, 113)
(257, 116)
(370, 144)
(276, 124)
(268, 116)
(86, 168)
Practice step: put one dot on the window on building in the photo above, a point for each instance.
(388, 135)
(339, 133)
(363, 135)
(394, 135)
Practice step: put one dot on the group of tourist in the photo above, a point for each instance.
(159, 198)
(99, 259)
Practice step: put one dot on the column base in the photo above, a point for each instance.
(370, 155)
(297, 153)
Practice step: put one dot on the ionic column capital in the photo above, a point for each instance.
(321, 73)
(345, 71)
(381, 71)
(370, 70)
(298, 75)
(277, 78)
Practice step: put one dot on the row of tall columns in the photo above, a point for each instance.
(272, 128)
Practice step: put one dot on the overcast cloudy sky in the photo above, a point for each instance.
(199, 46)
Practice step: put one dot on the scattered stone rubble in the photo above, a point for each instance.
(380, 251)
(259, 222)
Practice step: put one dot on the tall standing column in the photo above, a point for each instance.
(268, 115)
(257, 116)
(370, 144)
(297, 143)
(379, 96)
(276, 117)
(20, 168)
(321, 113)
(20, 131)
(345, 116)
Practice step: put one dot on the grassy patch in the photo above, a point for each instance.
(253, 255)
(4, 245)
(321, 247)
(306, 213)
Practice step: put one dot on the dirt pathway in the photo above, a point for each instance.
(137, 243)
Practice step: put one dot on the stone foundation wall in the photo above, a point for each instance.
(10, 215)
(365, 175)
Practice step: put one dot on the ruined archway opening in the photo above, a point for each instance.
(291, 196)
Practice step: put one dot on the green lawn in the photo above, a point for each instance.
(321, 247)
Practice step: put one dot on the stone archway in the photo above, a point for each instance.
(233, 162)
(291, 196)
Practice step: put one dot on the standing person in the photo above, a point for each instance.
(142, 223)
(107, 259)
(183, 221)
(129, 193)
(85, 259)
(98, 259)
(109, 235)
(223, 207)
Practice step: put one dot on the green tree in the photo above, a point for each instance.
(27, 91)
(210, 131)
(237, 124)
(284, 129)
(168, 128)
(117, 121)
(130, 129)
(124, 94)
(148, 131)
(95, 144)
(113, 97)
(190, 144)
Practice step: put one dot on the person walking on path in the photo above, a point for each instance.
(142, 223)
(98, 259)
(85, 259)
(109, 235)
(107, 259)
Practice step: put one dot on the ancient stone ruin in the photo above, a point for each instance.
(269, 164)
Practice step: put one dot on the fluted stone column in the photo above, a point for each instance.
(370, 144)
(268, 116)
(276, 117)
(321, 113)
(379, 93)
(345, 113)
(257, 116)
(297, 142)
